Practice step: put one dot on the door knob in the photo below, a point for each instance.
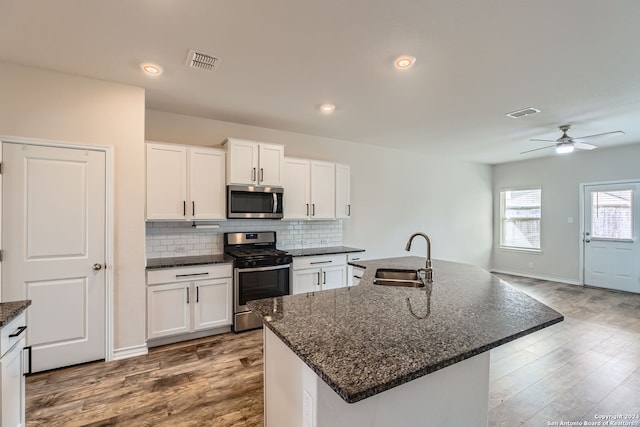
(97, 266)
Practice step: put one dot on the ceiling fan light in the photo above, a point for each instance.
(564, 148)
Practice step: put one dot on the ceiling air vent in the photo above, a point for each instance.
(202, 61)
(523, 112)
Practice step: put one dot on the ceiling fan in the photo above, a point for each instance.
(566, 144)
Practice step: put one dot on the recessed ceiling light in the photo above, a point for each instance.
(151, 69)
(521, 113)
(327, 108)
(404, 62)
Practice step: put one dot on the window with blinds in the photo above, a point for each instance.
(520, 212)
(611, 214)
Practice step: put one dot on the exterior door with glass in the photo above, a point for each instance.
(611, 247)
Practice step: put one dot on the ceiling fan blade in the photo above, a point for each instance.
(550, 141)
(584, 146)
(536, 149)
(597, 135)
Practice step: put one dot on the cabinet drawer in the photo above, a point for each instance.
(15, 327)
(318, 261)
(187, 274)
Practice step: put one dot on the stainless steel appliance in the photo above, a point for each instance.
(260, 271)
(249, 201)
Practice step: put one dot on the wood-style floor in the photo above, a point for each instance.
(587, 365)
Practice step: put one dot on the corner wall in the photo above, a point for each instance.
(393, 193)
(560, 178)
(41, 104)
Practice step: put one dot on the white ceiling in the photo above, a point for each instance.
(576, 60)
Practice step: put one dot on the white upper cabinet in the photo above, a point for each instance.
(343, 191)
(166, 181)
(323, 190)
(297, 188)
(207, 185)
(254, 163)
(185, 183)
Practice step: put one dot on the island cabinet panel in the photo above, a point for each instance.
(188, 299)
(185, 183)
(317, 273)
(12, 369)
(254, 163)
(457, 395)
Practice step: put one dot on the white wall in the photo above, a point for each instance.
(560, 178)
(46, 105)
(394, 193)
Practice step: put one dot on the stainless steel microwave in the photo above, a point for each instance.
(249, 201)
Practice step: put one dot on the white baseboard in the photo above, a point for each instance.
(540, 277)
(127, 352)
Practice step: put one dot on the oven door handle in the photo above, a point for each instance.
(274, 267)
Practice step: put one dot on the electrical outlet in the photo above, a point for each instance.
(531, 265)
(180, 249)
(307, 409)
(324, 241)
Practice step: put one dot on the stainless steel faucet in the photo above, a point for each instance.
(428, 270)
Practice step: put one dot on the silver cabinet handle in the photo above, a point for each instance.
(261, 175)
(187, 295)
(197, 293)
(96, 266)
(313, 209)
(193, 208)
(18, 332)
(348, 210)
(307, 209)
(184, 208)
(318, 279)
(253, 174)
(324, 277)
(320, 262)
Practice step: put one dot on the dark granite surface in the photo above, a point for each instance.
(186, 261)
(365, 339)
(331, 250)
(10, 310)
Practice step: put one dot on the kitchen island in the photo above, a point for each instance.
(372, 355)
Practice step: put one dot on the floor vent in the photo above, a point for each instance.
(202, 61)
(524, 112)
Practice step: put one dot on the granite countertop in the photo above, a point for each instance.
(365, 339)
(186, 261)
(10, 310)
(331, 250)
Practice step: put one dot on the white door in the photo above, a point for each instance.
(307, 280)
(242, 162)
(54, 223)
(611, 247)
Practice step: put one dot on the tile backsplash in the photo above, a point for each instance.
(171, 239)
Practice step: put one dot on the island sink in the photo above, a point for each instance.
(396, 277)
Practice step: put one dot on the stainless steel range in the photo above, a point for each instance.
(260, 271)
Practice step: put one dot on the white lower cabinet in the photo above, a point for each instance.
(354, 274)
(12, 370)
(188, 299)
(318, 273)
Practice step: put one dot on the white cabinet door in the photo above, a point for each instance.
(271, 162)
(13, 386)
(307, 280)
(212, 307)
(207, 184)
(343, 191)
(323, 187)
(242, 162)
(166, 181)
(334, 277)
(297, 197)
(168, 309)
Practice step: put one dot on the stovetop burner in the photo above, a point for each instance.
(255, 249)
